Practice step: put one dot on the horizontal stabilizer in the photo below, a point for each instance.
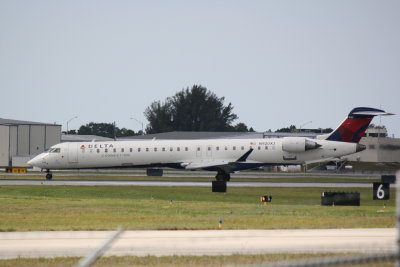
(372, 113)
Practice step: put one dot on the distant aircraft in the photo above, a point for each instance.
(224, 156)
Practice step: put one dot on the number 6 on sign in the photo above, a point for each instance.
(381, 191)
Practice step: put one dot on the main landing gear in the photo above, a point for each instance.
(220, 184)
(222, 176)
(49, 175)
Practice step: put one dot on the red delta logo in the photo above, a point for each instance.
(83, 147)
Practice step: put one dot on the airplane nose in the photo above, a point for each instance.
(34, 162)
(31, 162)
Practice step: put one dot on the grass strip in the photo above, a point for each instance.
(191, 261)
(47, 208)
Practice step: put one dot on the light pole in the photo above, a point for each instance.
(138, 122)
(304, 125)
(70, 120)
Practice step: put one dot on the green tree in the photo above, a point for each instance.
(290, 129)
(241, 127)
(105, 130)
(124, 132)
(99, 129)
(195, 109)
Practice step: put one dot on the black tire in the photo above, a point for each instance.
(223, 177)
(49, 176)
(219, 177)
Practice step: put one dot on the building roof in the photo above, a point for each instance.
(215, 135)
(83, 138)
(188, 135)
(19, 122)
(296, 134)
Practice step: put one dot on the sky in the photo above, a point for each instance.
(280, 63)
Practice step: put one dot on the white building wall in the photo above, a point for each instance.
(389, 149)
(37, 138)
(4, 145)
(378, 150)
(53, 135)
(20, 142)
(13, 140)
(23, 140)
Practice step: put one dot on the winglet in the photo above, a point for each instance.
(245, 156)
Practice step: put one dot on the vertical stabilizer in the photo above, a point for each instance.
(354, 126)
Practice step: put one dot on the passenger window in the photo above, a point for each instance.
(98, 150)
(226, 148)
(147, 149)
(155, 149)
(130, 150)
(186, 149)
(106, 150)
(138, 150)
(242, 148)
(178, 149)
(198, 149)
(171, 149)
(163, 149)
(217, 148)
(122, 150)
(266, 147)
(209, 148)
(115, 150)
(259, 148)
(234, 148)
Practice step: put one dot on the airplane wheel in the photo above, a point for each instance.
(219, 177)
(223, 177)
(49, 176)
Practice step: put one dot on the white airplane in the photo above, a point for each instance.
(222, 155)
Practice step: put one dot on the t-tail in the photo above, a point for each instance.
(353, 128)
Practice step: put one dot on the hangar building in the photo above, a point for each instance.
(21, 140)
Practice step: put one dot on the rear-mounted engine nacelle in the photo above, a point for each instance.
(298, 144)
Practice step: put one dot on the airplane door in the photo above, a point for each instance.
(72, 153)
(209, 151)
(198, 151)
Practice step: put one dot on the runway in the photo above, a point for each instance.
(180, 183)
(208, 242)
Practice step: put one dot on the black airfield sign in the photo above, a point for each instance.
(381, 191)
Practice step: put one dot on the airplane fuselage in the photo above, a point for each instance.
(187, 154)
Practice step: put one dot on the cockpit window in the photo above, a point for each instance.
(53, 150)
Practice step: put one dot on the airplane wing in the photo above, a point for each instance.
(225, 164)
(204, 164)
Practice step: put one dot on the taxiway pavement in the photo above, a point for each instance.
(207, 242)
(180, 183)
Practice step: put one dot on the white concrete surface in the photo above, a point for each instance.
(210, 242)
